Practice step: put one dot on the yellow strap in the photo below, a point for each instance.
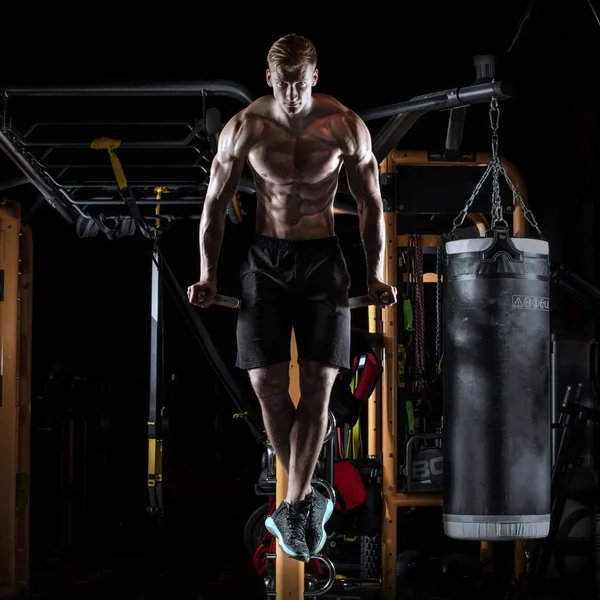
(240, 415)
(352, 446)
(159, 190)
(109, 144)
(356, 439)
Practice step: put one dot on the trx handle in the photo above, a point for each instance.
(361, 301)
(110, 144)
(219, 300)
(230, 302)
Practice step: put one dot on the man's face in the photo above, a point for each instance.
(292, 88)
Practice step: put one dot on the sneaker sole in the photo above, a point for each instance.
(326, 516)
(272, 528)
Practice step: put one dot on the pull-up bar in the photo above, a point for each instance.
(196, 88)
(403, 116)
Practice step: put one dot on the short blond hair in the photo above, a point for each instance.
(291, 51)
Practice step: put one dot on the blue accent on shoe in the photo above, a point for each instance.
(288, 525)
(326, 517)
(321, 509)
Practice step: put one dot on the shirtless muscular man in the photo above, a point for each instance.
(294, 274)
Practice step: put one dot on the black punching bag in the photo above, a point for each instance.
(497, 461)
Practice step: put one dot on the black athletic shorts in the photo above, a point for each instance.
(299, 284)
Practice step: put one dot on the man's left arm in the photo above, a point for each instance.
(362, 173)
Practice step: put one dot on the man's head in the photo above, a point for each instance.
(292, 71)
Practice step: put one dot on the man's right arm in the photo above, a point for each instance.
(226, 170)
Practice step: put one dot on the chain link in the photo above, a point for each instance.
(460, 217)
(497, 214)
(526, 211)
(495, 167)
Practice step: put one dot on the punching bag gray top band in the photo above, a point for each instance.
(496, 398)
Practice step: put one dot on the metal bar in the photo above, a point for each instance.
(392, 132)
(152, 144)
(34, 177)
(406, 114)
(140, 201)
(245, 185)
(472, 94)
(106, 185)
(212, 87)
(194, 165)
(154, 388)
(455, 130)
(34, 126)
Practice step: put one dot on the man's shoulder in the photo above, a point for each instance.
(329, 103)
(330, 107)
(251, 116)
(258, 108)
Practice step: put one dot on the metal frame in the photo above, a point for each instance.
(64, 185)
(80, 198)
(383, 405)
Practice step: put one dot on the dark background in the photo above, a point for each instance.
(91, 297)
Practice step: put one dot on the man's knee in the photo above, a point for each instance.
(270, 382)
(316, 379)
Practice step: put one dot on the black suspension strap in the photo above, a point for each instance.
(202, 336)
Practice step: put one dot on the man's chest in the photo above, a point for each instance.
(281, 157)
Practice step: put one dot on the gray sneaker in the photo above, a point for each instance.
(321, 509)
(288, 524)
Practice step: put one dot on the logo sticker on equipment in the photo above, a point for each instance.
(531, 302)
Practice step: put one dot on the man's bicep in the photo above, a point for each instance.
(228, 163)
(362, 173)
(225, 173)
(360, 164)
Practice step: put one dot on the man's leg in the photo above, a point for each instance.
(289, 521)
(309, 426)
(296, 434)
(322, 325)
(271, 386)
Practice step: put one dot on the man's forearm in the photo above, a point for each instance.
(211, 228)
(372, 234)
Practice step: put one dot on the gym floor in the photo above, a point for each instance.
(207, 569)
(135, 578)
(208, 565)
(212, 577)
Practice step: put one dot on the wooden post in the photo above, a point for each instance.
(15, 321)
(289, 573)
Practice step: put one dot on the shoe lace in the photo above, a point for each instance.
(297, 523)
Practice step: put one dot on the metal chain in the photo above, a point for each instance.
(460, 217)
(526, 211)
(497, 215)
(495, 167)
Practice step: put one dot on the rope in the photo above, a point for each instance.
(419, 384)
(438, 307)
